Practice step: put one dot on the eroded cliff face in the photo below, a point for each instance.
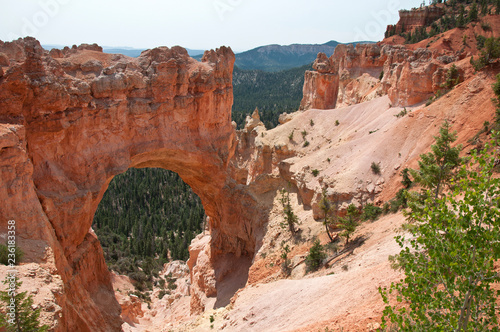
(410, 20)
(368, 71)
(72, 119)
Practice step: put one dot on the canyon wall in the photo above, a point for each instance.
(72, 119)
(410, 20)
(367, 71)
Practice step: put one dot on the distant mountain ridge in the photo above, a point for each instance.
(282, 57)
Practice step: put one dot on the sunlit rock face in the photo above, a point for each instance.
(353, 75)
(72, 119)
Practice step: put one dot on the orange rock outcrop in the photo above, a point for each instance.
(410, 20)
(368, 71)
(72, 119)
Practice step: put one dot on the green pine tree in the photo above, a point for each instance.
(17, 315)
(290, 217)
(349, 222)
(437, 167)
(328, 209)
(473, 13)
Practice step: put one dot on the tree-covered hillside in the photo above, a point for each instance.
(272, 93)
(456, 14)
(146, 217)
(274, 58)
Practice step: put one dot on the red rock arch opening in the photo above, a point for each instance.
(73, 119)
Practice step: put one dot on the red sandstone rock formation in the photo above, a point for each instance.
(368, 71)
(410, 20)
(70, 120)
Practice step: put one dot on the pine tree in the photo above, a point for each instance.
(349, 222)
(290, 217)
(18, 314)
(326, 206)
(473, 13)
(461, 17)
(438, 166)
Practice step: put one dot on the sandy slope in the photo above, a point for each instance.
(327, 298)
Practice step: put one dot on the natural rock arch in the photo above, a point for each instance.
(75, 118)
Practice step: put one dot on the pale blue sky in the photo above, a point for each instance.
(198, 24)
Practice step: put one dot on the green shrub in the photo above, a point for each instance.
(485, 26)
(4, 255)
(489, 53)
(371, 212)
(171, 282)
(315, 172)
(161, 283)
(452, 77)
(337, 123)
(402, 113)
(386, 208)
(162, 294)
(375, 168)
(407, 182)
(315, 257)
(480, 40)
(306, 144)
(286, 265)
(399, 202)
